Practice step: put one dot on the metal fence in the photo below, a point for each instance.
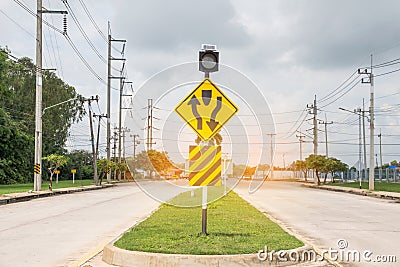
(381, 175)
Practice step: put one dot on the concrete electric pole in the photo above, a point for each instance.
(109, 77)
(37, 178)
(326, 134)
(301, 141)
(371, 124)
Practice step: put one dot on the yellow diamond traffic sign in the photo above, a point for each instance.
(206, 109)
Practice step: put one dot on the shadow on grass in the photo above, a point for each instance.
(230, 234)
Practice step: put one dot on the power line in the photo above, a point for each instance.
(326, 97)
(95, 24)
(35, 15)
(80, 28)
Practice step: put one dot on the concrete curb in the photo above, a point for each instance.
(357, 191)
(124, 258)
(26, 196)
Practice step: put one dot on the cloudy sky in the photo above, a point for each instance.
(292, 50)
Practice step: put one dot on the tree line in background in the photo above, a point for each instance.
(17, 118)
(319, 164)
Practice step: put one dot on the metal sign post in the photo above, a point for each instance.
(204, 212)
(206, 110)
(57, 172)
(73, 175)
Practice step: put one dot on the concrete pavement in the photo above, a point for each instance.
(61, 230)
(324, 217)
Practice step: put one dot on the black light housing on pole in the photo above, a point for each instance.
(208, 59)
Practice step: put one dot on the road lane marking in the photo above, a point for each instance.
(89, 255)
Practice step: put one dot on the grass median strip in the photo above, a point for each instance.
(234, 227)
(379, 186)
(18, 188)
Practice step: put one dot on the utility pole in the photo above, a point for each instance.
(120, 129)
(89, 100)
(300, 136)
(371, 125)
(364, 142)
(115, 139)
(124, 130)
(380, 155)
(326, 134)
(38, 107)
(135, 144)
(284, 163)
(360, 114)
(380, 147)
(37, 178)
(359, 142)
(149, 141)
(314, 111)
(272, 154)
(109, 100)
(109, 77)
(371, 133)
(98, 131)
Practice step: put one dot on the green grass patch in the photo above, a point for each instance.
(17, 188)
(379, 186)
(234, 227)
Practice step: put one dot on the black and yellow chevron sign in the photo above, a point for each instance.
(205, 165)
(36, 168)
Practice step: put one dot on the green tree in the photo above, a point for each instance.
(153, 160)
(334, 165)
(249, 171)
(104, 166)
(301, 166)
(238, 170)
(19, 77)
(263, 168)
(81, 160)
(316, 163)
(16, 165)
(55, 162)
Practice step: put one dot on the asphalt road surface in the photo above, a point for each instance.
(325, 217)
(58, 231)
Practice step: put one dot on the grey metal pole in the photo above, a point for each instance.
(372, 129)
(38, 104)
(204, 212)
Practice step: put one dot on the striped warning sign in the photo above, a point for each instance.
(204, 165)
(36, 168)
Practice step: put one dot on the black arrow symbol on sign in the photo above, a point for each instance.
(194, 102)
(212, 124)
